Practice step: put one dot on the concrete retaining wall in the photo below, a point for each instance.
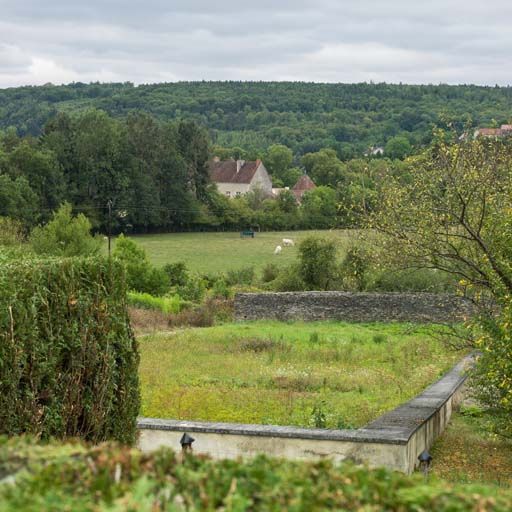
(394, 440)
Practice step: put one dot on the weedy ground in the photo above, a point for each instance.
(468, 453)
(319, 374)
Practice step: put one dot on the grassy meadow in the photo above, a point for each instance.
(219, 252)
(319, 374)
(466, 452)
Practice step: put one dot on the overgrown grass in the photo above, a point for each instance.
(172, 304)
(467, 453)
(325, 374)
(220, 252)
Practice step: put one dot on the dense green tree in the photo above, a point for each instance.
(317, 262)
(319, 208)
(291, 176)
(398, 147)
(141, 276)
(41, 169)
(453, 213)
(193, 145)
(65, 235)
(324, 166)
(278, 160)
(18, 200)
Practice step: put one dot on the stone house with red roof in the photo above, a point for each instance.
(237, 177)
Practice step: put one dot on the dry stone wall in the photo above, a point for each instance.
(353, 307)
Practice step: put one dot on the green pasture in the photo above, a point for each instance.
(326, 374)
(219, 252)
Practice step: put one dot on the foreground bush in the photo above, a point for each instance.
(79, 478)
(68, 358)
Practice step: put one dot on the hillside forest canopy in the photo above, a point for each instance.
(305, 117)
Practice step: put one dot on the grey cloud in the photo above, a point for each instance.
(457, 41)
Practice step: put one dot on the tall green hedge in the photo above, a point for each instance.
(68, 358)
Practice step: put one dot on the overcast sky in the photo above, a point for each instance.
(412, 41)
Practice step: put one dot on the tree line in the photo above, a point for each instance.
(139, 174)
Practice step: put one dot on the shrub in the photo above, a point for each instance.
(65, 235)
(269, 273)
(12, 232)
(201, 316)
(177, 273)
(117, 478)
(194, 289)
(354, 269)
(141, 276)
(221, 290)
(492, 377)
(317, 262)
(379, 338)
(205, 315)
(289, 280)
(244, 276)
(69, 360)
(148, 320)
(172, 304)
(417, 280)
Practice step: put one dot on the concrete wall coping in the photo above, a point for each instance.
(394, 427)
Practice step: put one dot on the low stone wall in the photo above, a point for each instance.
(394, 440)
(352, 307)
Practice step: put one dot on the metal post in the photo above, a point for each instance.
(109, 204)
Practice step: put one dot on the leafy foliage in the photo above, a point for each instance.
(172, 304)
(454, 214)
(108, 477)
(68, 358)
(317, 265)
(11, 232)
(141, 276)
(65, 235)
(251, 116)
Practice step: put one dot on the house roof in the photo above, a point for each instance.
(489, 132)
(225, 171)
(304, 183)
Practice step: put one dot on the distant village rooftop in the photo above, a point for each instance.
(304, 183)
(504, 130)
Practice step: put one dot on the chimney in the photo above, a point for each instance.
(239, 165)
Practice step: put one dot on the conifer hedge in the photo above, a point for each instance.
(68, 358)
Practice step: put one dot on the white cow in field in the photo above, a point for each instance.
(288, 242)
(278, 249)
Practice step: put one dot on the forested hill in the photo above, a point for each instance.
(252, 115)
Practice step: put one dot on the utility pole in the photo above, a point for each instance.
(109, 204)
